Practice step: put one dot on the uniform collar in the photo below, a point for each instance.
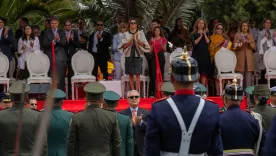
(57, 108)
(93, 106)
(233, 107)
(131, 109)
(111, 109)
(184, 92)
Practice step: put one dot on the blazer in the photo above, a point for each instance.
(8, 129)
(94, 131)
(58, 131)
(70, 48)
(60, 53)
(103, 45)
(6, 44)
(139, 130)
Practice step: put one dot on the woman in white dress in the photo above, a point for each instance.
(26, 45)
(134, 44)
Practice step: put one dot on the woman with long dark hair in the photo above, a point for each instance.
(179, 35)
(134, 44)
(26, 45)
(158, 45)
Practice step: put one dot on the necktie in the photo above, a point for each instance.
(134, 117)
(268, 34)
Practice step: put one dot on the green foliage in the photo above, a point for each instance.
(240, 10)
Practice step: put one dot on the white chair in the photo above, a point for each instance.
(38, 65)
(4, 68)
(226, 61)
(270, 64)
(82, 65)
(143, 78)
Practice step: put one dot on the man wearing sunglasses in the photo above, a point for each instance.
(99, 42)
(32, 103)
(5, 100)
(170, 118)
(138, 116)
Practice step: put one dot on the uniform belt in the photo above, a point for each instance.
(238, 152)
(177, 154)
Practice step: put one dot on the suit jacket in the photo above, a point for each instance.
(60, 53)
(70, 48)
(103, 45)
(94, 131)
(126, 132)
(58, 131)
(6, 44)
(8, 129)
(19, 33)
(139, 130)
(164, 132)
(267, 113)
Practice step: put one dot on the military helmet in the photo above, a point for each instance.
(233, 91)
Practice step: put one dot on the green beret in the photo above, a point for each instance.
(19, 87)
(111, 98)
(94, 90)
(200, 88)
(249, 90)
(261, 90)
(168, 88)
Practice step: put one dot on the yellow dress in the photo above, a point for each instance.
(217, 42)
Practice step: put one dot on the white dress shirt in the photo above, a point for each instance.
(27, 51)
(95, 49)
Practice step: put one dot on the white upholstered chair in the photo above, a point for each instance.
(38, 65)
(226, 61)
(270, 64)
(82, 64)
(143, 78)
(4, 68)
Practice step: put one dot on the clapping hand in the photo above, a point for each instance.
(72, 36)
(6, 32)
(99, 35)
(32, 43)
(138, 119)
(57, 37)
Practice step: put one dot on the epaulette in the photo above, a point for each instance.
(164, 98)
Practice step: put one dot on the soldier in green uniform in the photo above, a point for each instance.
(168, 89)
(5, 100)
(9, 118)
(261, 94)
(111, 99)
(94, 131)
(58, 127)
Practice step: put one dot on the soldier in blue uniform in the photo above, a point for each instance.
(271, 139)
(58, 127)
(241, 133)
(5, 100)
(170, 118)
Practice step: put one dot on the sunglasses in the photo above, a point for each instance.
(133, 23)
(132, 97)
(99, 24)
(219, 28)
(33, 104)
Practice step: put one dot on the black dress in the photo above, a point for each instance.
(202, 56)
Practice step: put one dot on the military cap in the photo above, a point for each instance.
(111, 98)
(94, 90)
(19, 87)
(184, 68)
(58, 95)
(168, 88)
(249, 90)
(261, 90)
(5, 97)
(199, 88)
(273, 91)
(233, 91)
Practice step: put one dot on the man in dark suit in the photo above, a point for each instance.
(58, 38)
(30, 120)
(111, 99)
(138, 117)
(119, 20)
(58, 127)
(99, 42)
(72, 42)
(6, 39)
(23, 21)
(94, 131)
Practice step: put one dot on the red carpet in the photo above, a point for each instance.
(78, 105)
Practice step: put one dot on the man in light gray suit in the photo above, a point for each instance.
(58, 37)
(266, 39)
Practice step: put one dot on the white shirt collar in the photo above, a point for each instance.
(131, 109)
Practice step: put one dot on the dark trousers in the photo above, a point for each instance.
(100, 61)
(136, 151)
(161, 59)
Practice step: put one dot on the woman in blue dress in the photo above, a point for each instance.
(200, 40)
